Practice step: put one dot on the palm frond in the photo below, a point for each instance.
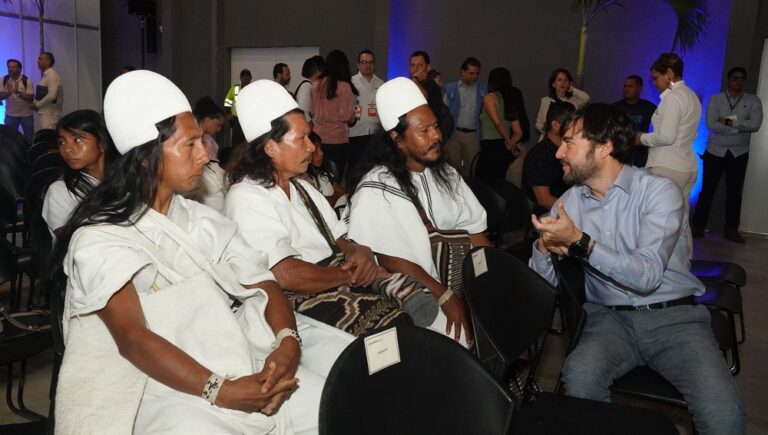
(692, 22)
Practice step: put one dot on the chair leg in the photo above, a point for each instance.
(735, 361)
(19, 407)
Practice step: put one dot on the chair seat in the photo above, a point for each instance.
(646, 383)
(721, 295)
(19, 344)
(555, 414)
(720, 270)
(30, 428)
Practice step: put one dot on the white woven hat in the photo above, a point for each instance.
(395, 98)
(260, 103)
(135, 102)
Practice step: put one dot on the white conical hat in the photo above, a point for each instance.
(260, 103)
(395, 98)
(135, 102)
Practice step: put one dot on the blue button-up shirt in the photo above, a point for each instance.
(640, 255)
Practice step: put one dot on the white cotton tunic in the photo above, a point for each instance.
(382, 218)
(94, 375)
(281, 226)
(60, 202)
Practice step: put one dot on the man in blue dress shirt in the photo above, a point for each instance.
(625, 225)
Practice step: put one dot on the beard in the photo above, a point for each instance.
(580, 174)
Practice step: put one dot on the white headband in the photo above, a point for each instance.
(135, 102)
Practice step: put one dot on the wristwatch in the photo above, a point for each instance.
(580, 248)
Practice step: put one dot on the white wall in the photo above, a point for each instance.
(77, 49)
(755, 202)
(261, 60)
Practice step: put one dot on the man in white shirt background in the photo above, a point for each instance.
(366, 82)
(49, 94)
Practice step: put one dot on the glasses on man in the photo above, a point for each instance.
(366, 62)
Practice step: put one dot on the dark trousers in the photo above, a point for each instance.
(356, 145)
(493, 161)
(735, 169)
(338, 154)
(237, 132)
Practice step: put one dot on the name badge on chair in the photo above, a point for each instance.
(382, 350)
(479, 264)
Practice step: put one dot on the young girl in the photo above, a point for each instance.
(87, 148)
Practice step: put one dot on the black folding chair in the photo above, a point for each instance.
(50, 159)
(513, 307)
(40, 148)
(23, 334)
(495, 208)
(642, 381)
(437, 387)
(45, 135)
(731, 277)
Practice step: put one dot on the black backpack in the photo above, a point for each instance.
(8, 77)
(296, 92)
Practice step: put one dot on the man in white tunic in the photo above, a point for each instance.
(295, 224)
(153, 344)
(407, 167)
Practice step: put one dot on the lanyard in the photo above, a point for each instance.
(733, 106)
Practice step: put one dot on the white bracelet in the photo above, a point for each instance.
(285, 333)
(212, 387)
(444, 297)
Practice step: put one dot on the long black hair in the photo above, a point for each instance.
(383, 151)
(91, 122)
(250, 159)
(337, 70)
(124, 195)
(500, 80)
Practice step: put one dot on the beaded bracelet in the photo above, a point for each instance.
(444, 297)
(212, 387)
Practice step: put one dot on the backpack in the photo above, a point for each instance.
(23, 80)
(296, 92)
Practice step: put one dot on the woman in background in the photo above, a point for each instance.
(333, 107)
(561, 88)
(501, 128)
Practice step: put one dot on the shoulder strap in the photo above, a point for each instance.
(316, 216)
(296, 92)
(5, 79)
(24, 80)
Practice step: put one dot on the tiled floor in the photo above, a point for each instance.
(753, 379)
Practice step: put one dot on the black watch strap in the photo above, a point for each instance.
(580, 249)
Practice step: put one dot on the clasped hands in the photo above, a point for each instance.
(361, 266)
(556, 234)
(265, 391)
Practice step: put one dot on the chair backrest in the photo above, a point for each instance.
(37, 186)
(40, 148)
(14, 147)
(518, 207)
(45, 135)
(12, 180)
(570, 277)
(49, 159)
(495, 206)
(437, 387)
(510, 302)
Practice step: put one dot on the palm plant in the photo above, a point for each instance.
(40, 4)
(692, 20)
